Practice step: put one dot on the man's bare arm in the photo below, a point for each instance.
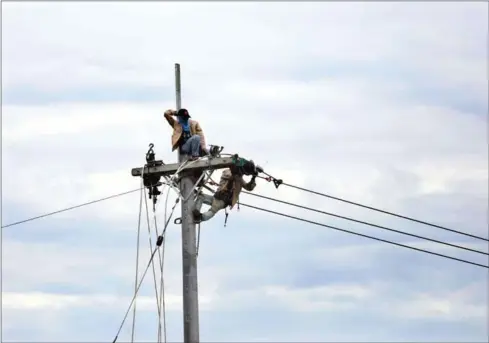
(249, 186)
(169, 117)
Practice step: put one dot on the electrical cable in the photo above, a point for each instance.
(173, 179)
(365, 223)
(158, 243)
(162, 286)
(159, 300)
(381, 211)
(197, 191)
(159, 255)
(70, 208)
(286, 184)
(137, 260)
(162, 295)
(162, 291)
(209, 177)
(362, 235)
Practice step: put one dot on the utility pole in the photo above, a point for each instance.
(151, 173)
(189, 256)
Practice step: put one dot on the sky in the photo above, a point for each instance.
(384, 104)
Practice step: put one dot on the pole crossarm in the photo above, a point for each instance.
(170, 169)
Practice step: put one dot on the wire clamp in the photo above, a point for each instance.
(276, 182)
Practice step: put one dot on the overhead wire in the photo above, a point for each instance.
(160, 299)
(382, 211)
(197, 191)
(135, 295)
(162, 289)
(377, 210)
(160, 241)
(137, 260)
(160, 296)
(365, 223)
(152, 263)
(162, 286)
(363, 235)
(171, 181)
(286, 184)
(70, 208)
(161, 255)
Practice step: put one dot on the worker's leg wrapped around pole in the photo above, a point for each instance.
(203, 199)
(216, 206)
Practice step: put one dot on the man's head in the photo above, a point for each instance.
(248, 168)
(182, 114)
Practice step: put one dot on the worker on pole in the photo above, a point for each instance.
(187, 134)
(227, 193)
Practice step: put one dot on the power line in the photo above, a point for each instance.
(137, 265)
(260, 209)
(366, 223)
(382, 211)
(159, 254)
(362, 235)
(70, 208)
(158, 244)
(281, 201)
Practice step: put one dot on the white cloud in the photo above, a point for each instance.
(325, 298)
(364, 171)
(38, 300)
(352, 33)
(368, 102)
(425, 307)
(67, 120)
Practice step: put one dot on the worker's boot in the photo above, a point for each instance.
(197, 216)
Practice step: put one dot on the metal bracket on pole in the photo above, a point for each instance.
(170, 169)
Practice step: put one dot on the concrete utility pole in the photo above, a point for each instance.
(189, 256)
(189, 249)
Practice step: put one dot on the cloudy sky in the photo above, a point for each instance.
(383, 104)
